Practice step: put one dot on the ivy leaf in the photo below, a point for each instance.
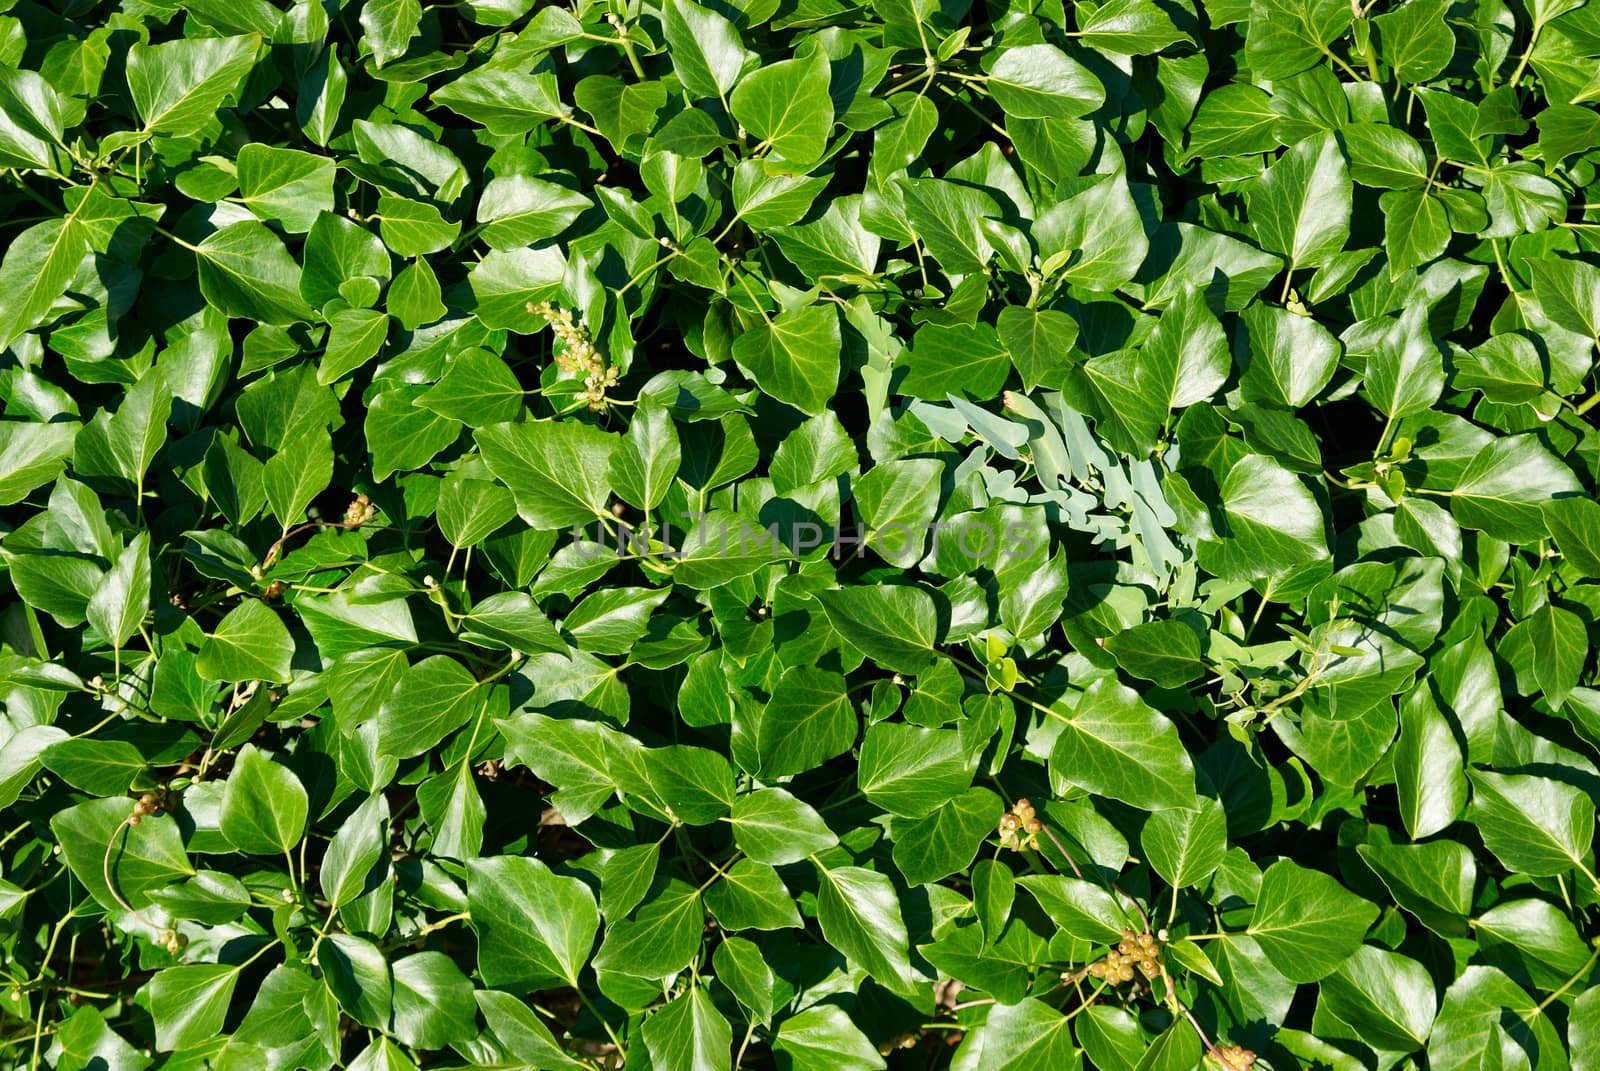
(860, 916)
(1533, 825)
(535, 929)
(688, 1034)
(558, 471)
(794, 356)
(787, 106)
(1301, 206)
(1306, 923)
(1042, 82)
(178, 86)
(1113, 744)
(250, 643)
(897, 626)
(264, 805)
(245, 271)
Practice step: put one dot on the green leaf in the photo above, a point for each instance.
(1269, 522)
(389, 26)
(910, 771)
(178, 86)
(535, 929)
(1166, 652)
(895, 625)
(190, 1002)
(1416, 228)
(263, 805)
(285, 186)
(772, 826)
(1306, 923)
(412, 228)
(807, 721)
(95, 837)
(1415, 41)
(1287, 36)
(433, 1002)
(353, 851)
(1387, 997)
(101, 767)
(31, 455)
(250, 643)
(786, 105)
(1027, 1034)
(356, 337)
(944, 841)
(1301, 206)
(705, 48)
(520, 1031)
(688, 1034)
(1186, 846)
(1533, 825)
(822, 1038)
(297, 474)
(337, 250)
(955, 359)
(947, 218)
(39, 265)
(1041, 82)
(1100, 230)
(520, 210)
(794, 356)
(644, 465)
(1504, 487)
(751, 896)
(557, 470)
(860, 916)
(118, 607)
(1569, 293)
(1428, 767)
(246, 272)
(477, 389)
(1405, 371)
(1575, 524)
(1130, 27)
(659, 938)
(1112, 744)
(1039, 342)
(435, 697)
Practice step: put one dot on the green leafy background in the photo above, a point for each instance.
(343, 344)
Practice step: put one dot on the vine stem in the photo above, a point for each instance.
(610, 1033)
(1568, 984)
(749, 1032)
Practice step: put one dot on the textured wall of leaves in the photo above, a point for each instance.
(358, 710)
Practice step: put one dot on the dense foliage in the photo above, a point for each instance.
(802, 534)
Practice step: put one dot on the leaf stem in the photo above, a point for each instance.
(1568, 984)
(610, 1033)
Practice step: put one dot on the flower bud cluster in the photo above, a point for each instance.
(1141, 951)
(1019, 829)
(360, 511)
(1234, 1057)
(147, 805)
(905, 1040)
(578, 355)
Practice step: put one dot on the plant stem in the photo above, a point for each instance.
(1568, 984)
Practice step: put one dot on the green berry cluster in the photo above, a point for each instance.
(1141, 951)
(1019, 829)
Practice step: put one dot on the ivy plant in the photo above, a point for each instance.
(804, 534)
